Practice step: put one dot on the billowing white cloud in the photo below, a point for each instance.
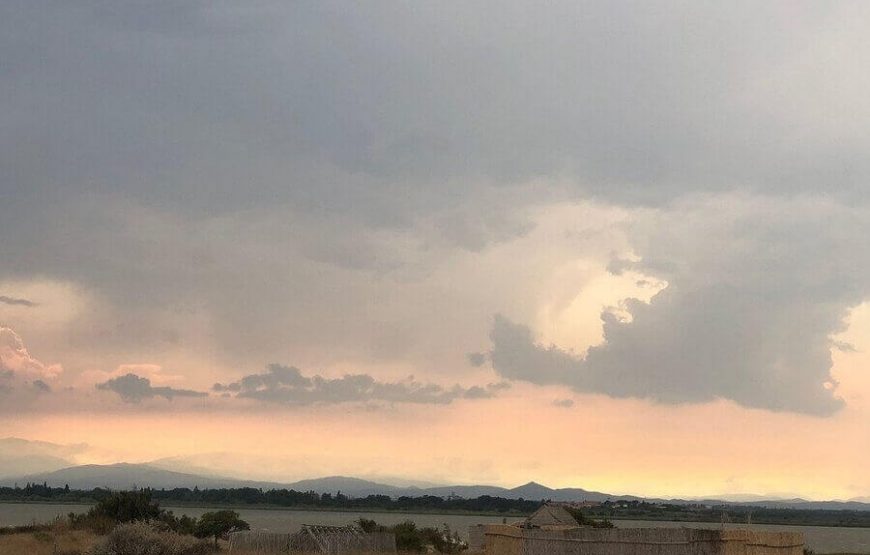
(756, 288)
(17, 362)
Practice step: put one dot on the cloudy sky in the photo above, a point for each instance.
(612, 245)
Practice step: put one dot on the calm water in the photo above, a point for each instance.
(821, 539)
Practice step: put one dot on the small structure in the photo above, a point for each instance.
(332, 540)
(550, 517)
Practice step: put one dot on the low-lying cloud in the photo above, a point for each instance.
(16, 360)
(287, 385)
(16, 302)
(134, 389)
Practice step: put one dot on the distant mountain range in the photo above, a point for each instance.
(23, 461)
(125, 476)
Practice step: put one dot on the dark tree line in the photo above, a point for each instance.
(645, 510)
(281, 498)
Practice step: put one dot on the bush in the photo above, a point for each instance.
(140, 538)
(218, 524)
(583, 520)
(368, 525)
(411, 538)
(408, 537)
(443, 539)
(183, 524)
(130, 506)
(127, 506)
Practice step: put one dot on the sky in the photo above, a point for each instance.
(612, 245)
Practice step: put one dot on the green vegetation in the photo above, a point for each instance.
(410, 538)
(131, 518)
(218, 524)
(131, 506)
(583, 520)
(122, 523)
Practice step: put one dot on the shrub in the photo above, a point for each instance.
(408, 537)
(140, 538)
(127, 506)
(583, 520)
(218, 524)
(443, 539)
(130, 506)
(368, 525)
(183, 524)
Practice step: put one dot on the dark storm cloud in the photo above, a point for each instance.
(266, 163)
(287, 385)
(134, 389)
(16, 302)
(380, 112)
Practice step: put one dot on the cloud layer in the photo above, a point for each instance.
(369, 185)
(134, 389)
(15, 301)
(287, 385)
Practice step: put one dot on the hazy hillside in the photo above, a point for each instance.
(125, 476)
(20, 456)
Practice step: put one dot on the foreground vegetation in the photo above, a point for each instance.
(124, 523)
(133, 523)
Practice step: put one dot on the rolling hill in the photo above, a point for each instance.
(126, 476)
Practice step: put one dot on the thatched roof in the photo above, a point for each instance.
(551, 515)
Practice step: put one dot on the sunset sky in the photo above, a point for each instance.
(613, 245)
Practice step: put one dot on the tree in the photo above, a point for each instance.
(218, 524)
(408, 537)
(127, 506)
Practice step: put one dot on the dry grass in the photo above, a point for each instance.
(57, 541)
